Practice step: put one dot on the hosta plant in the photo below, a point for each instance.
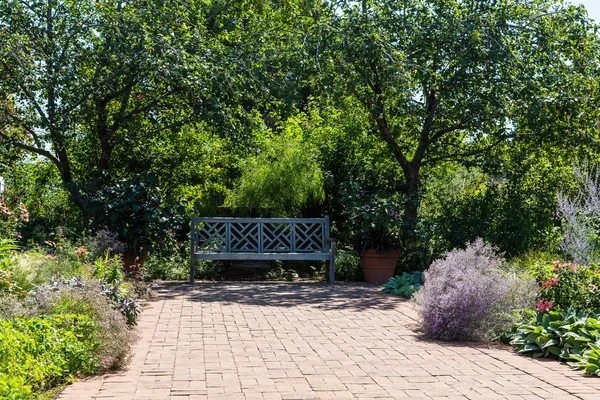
(402, 285)
(564, 335)
(589, 361)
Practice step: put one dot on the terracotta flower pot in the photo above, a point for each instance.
(379, 268)
(133, 262)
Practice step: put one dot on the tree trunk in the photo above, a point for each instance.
(411, 207)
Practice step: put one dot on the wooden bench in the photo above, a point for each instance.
(262, 239)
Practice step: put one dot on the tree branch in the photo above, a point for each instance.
(387, 136)
(152, 104)
(450, 129)
(28, 94)
(464, 154)
(41, 152)
(432, 103)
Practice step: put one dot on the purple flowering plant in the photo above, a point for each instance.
(375, 218)
(471, 294)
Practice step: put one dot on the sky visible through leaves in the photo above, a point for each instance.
(593, 7)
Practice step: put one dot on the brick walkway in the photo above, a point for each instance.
(310, 341)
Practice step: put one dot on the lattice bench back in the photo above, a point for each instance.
(261, 239)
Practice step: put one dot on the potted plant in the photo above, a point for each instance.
(377, 225)
(134, 210)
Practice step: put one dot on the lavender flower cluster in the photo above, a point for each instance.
(580, 214)
(471, 294)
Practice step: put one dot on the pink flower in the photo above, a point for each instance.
(544, 305)
(540, 306)
(81, 251)
(573, 268)
(555, 265)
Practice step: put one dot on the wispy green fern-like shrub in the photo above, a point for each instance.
(285, 176)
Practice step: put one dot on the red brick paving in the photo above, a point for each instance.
(312, 341)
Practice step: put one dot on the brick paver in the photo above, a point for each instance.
(312, 341)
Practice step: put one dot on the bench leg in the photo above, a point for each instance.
(192, 258)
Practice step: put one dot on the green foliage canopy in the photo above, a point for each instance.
(284, 176)
(444, 80)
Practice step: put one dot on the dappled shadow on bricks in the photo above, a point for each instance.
(356, 297)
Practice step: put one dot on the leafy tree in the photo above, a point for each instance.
(446, 80)
(512, 208)
(103, 89)
(284, 176)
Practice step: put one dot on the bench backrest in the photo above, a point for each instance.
(260, 235)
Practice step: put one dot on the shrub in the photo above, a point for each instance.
(121, 301)
(470, 294)
(34, 268)
(284, 176)
(14, 388)
(12, 306)
(108, 269)
(348, 267)
(8, 285)
(579, 214)
(564, 286)
(209, 270)
(167, 263)
(402, 285)
(37, 353)
(533, 260)
(85, 297)
(375, 218)
(105, 242)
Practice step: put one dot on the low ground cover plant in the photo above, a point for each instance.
(64, 313)
(558, 334)
(38, 353)
(569, 336)
(589, 361)
(402, 285)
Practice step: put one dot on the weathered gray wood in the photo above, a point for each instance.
(255, 220)
(193, 240)
(263, 256)
(224, 238)
(260, 238)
